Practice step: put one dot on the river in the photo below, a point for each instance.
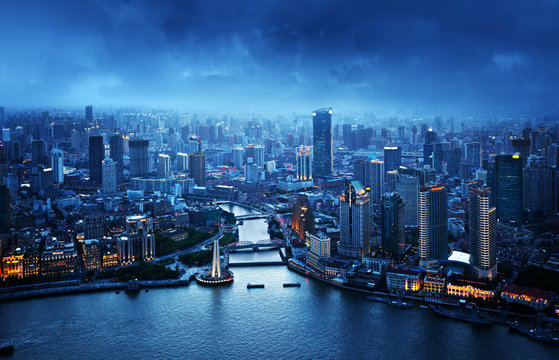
(315, 321)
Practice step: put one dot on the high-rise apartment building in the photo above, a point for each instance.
(197, 166)
(483, 249)
(433, 234)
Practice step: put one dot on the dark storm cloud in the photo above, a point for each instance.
(281, 54)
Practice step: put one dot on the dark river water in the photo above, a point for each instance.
(315, 321)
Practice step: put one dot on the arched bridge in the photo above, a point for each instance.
(255, 246)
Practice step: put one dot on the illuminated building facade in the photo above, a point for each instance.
(532, 297)
(302, 217)
(304, 163)
(12, 264)
(483, 247)
(139, 230)
(399, 279)
(91, 255)
(59, 259)
(354, 221)
(464, 287)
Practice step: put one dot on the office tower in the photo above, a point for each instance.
(57, 164)
(139, 158)
(521, 146)
(109, 176)
(139, 230)
(89, 114)
(304, 163)
(164, 165)
(473, 154)
(363, 172)
(239, 157)
(182, 161)
(483, 250)
(116, 143)
(322, 142)
(4, 210)
(393, 225)
(94, 226)
(378, 174)
(538, 187)
(249, 154)
(509, 187)
(391, 180)
(251, 173)
(430, 136)
(96, 156)
(392, 157)
(433, 235)
(259, 155)
(354, 221)
(197, 166)
(194, 145)
(37, 152)
(302, 217)
(408, 187)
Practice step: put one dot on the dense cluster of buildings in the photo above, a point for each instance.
(361, 196)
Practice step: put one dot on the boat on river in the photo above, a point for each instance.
(468, 315)
(255, 286)
(133, 287)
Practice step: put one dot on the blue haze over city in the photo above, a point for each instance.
(279, 179)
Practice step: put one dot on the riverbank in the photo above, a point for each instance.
(46, 291)
(501, 318)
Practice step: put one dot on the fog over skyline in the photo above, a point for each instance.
(281, 56)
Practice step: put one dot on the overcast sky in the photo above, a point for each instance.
(281, 55)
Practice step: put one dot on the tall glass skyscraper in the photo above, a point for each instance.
(116, 143)
(392, 157)
(322, 142)
(393, 224)
(483, 250)
(139, 159)
(508, 183)
(96, 156)
(433, 234)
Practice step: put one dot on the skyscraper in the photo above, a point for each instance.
(408, 187)
(37, 151)
(239, 157)
(473, 154)
(393, 226)
(182, 161)
(483, 250)
(323, 151)
(139, 158)
(304, 163)
(302, 217)
(363, 172)
(354, 221)
(57, 161)
(164, 165)
(259, 155)
(89, 114)
(433, 235)
(378, 175)
(96, 156)
(197, 165)
(109, 176)
(509, 187)
(392, 157)
(116, 143)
